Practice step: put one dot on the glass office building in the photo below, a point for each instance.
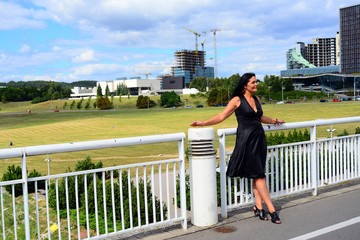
(350, 39)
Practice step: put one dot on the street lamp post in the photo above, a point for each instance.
(282, 91)
(355, 88)
(48, 160)
(331, 130)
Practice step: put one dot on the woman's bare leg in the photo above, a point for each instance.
(262, 194)
(258, 199)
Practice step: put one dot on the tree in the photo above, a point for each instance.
(170, 99)
(14, 173)
(88, 103)
(144, 102)
(65, 105)
(103, 102)
(107, 91)
(200, 83)
(79, 104)
(99, 91)
(72, 105)
(122, 90)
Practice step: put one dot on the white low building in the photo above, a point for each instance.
(79, 92)
(135, 85)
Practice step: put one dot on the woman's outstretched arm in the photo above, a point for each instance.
(229, 109)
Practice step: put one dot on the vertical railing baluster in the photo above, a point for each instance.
(95, 204)
(58, 207)
(86, 206)
(175, 191)
(168, 192)
(77, 207)
(277, 168)
(296, 172)
(292, 168)
(36, 209)
(121, 200)
(14, 211)
(113, 200)
(160, 193)
(153, 193)
(138, 195)
(67, 207)
(130, 198)
(288, 149)
(2, 213)
(282, 170)
(236, 192)
(302, 152)
(145, 197)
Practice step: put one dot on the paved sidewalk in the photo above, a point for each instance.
(290, 209)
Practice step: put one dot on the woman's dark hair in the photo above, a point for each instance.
(240, 87)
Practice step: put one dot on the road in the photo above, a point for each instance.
(335, 216)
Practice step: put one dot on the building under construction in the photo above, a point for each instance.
(190, 64)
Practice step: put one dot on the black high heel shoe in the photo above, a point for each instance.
(275, 218)
(260, 213)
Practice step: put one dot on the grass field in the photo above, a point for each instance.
(44, 126)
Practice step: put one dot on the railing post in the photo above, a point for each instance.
(181, 150)
(222, 154)
(25, 197)
(314, 160)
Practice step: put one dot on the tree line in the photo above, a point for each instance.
(272, 88)
(38, 91)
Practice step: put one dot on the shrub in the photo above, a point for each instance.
(87, 164)
(14, 173)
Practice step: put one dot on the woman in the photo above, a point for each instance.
(249, 155)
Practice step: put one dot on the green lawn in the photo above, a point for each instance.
(44, 126)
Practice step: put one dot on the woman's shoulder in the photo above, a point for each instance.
(236, 101)
(257, 98)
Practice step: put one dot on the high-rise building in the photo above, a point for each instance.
(190, 64)
(350, 39)
(322, 52)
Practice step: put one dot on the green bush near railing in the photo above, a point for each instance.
(90, 203)
(14, 173)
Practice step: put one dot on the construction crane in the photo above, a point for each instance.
(196, 37)
(215, 52)
(202, 45)
(147, 74)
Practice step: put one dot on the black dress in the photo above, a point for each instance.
(249, 155)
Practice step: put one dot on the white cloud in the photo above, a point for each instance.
(37, 77)
(56, 48)
(94, 69)
(25, 48)
(15, 16)
(86, 56)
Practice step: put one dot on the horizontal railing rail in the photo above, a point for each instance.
(294, 167)
(94, 203)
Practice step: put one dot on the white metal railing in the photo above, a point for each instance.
(94, 203)
(296, 167)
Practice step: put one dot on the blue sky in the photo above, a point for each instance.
(72, 40)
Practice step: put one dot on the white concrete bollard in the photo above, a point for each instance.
(202, 156)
